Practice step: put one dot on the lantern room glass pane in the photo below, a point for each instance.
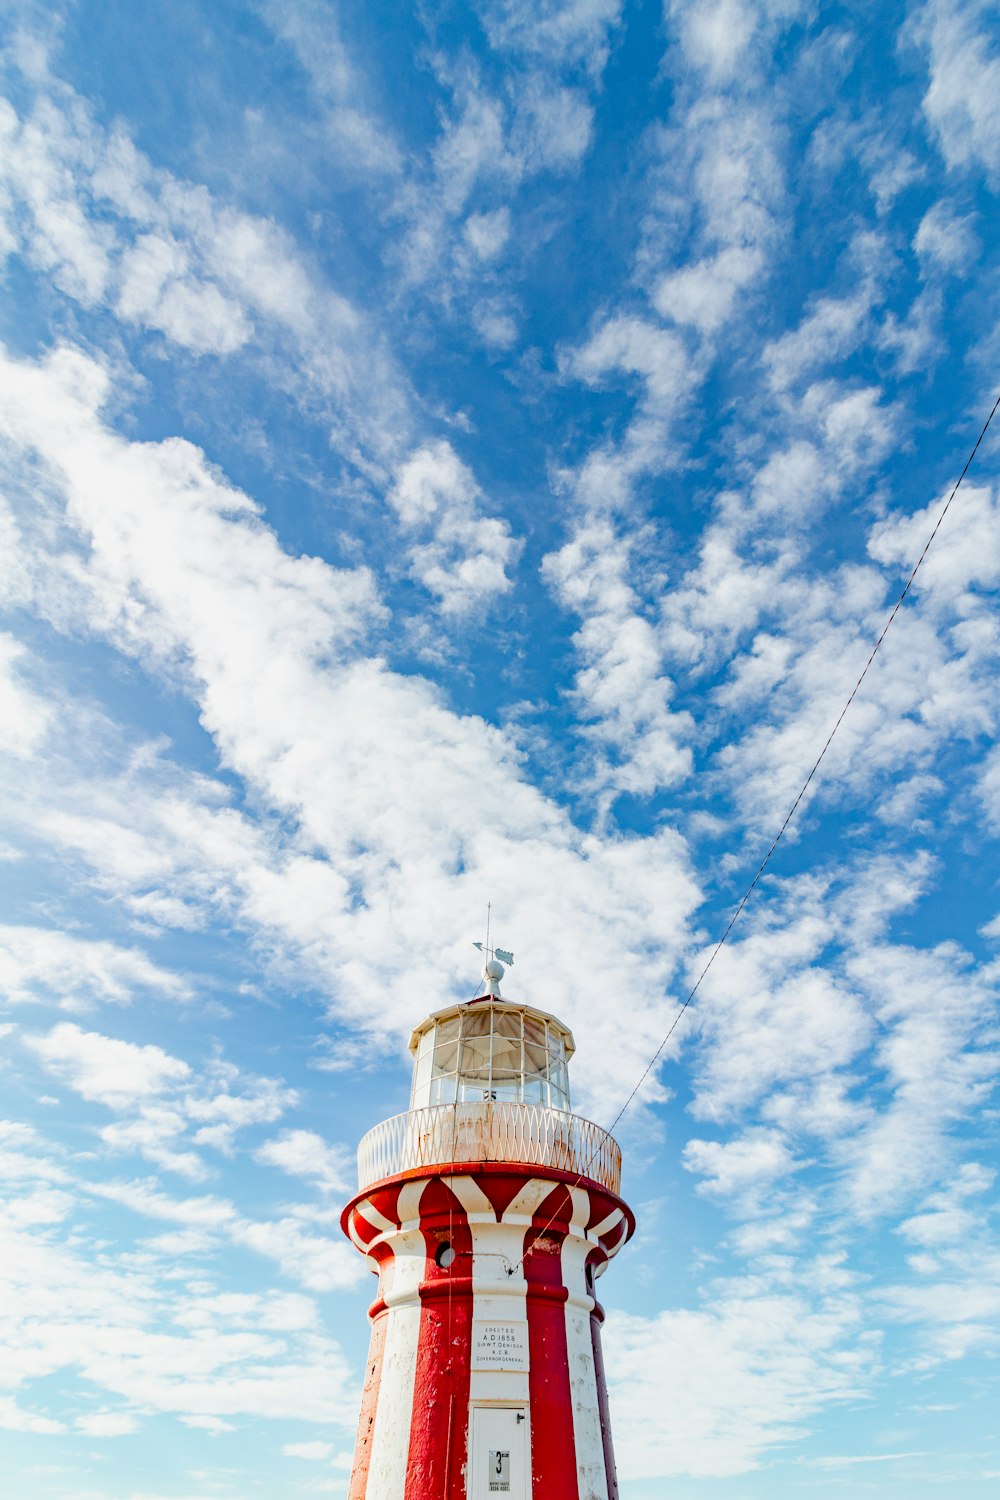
(443, 1089)
(475, 1059)
(446, 1048)
(506, 1058)
(559, 1086)
(534, 1031)
(474, 1062)
(535, 1062)
(421, 1077)
(487, 1053)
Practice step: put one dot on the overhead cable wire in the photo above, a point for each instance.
(801, 793)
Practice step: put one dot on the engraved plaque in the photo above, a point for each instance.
(499, 1346)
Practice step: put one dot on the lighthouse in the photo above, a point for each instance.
(488, 1211)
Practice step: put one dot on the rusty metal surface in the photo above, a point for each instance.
(489, 1132)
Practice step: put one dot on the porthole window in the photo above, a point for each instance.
(444, 1255)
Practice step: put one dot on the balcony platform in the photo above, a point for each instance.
(528, 1134)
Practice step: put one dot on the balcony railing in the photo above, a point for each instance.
(527, 1133)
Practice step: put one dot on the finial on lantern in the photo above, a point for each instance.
(493, 970)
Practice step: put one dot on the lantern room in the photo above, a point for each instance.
(492, 1050)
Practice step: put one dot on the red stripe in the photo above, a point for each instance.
(553, 1447)
(439, 1422)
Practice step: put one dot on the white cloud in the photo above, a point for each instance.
(317, 1451)
(464, 560)
(929, 682)
(213, 1425)
(306, 1243)
(24, 718)
(936, 1015)
(792, 480)
(946, 240)
(113, 229)
(14, 1418)
(472, 144)
(715, 182)
(131, 1331)
(156, 290)
(725, 591)
(557, 31)
(633, 347)
(320, 1262)
(727, 155)
(966, 551)
(961, 98)
(495, 324)
(145, 1197)
(771, 1016)
(356, 136)
(832, 329)
(488, 233)
(303, 1153)
(492, 142)
(703, 295)
(40, 962)
(41, 160)
(916, 338)
(989, 795)
(155, 1134)
(715, 36)
(552, 128)
(372, 767)
(743, 1166)
(710, 1393)
(950, 1301)
(167, 1110)
(104, 1070)
(622, 693)
(106, 1424)
(946, 1217)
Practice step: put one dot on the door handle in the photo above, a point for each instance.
(520, 1416)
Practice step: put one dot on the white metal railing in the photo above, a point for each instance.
(529, 1133)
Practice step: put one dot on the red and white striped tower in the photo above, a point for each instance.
(487, 1211)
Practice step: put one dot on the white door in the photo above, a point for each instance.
(498, 1453)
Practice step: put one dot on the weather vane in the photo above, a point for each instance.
(490, 953)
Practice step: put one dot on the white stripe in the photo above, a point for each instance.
(522, 1206)
(471, 1197)
(614, 1218)
(368, 1211)
(591, 1470)
(394, 1408)
(408, 1203)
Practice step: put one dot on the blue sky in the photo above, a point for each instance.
(457, 454)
